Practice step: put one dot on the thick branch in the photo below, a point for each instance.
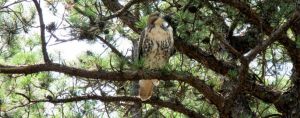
(173, 106)
(42, 28)
(268, 95)
(200, 85)
(208, 60)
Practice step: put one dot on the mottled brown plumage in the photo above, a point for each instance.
(155, 48)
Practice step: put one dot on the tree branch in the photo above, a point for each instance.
(208, 60)
(114, 49)
(11, 4)
(266, 94)
(122, 10)
(200, 85)
(127, 17)
(173, 106)
(42, 28)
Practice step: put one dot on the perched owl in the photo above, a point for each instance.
(155, 47)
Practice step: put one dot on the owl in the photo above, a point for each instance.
(155, 47)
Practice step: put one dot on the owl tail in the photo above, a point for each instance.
(145, 90)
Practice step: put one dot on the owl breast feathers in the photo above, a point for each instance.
(155, 48)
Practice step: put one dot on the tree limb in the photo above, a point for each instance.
(200, 85)
(208, 60)
(178, 107)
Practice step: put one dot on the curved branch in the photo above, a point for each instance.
(173, 106)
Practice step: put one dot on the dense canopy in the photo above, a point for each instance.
(77, 58)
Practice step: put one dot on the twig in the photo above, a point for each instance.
(23, 95)
(114, 49)
(16, 2)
